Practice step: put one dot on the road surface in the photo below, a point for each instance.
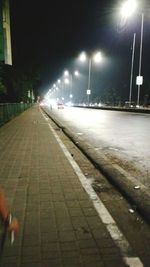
(121, 136)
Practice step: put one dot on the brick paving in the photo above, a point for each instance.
(59, 226)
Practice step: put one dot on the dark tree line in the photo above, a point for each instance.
(17, 85)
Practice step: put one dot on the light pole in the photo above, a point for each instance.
(132, 65)
(70, 86)
(65, 81)
(68, 74)
(60, 87)
(128, 8)
(97, 57)
(89, 80)
(140, 61)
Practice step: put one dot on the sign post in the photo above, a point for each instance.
(139, 80)
(88, 92)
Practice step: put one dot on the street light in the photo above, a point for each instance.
(68, 74)
(128, 8)
(82, 57)
(96, 57)
(132, 66)
(140, 61)
(76, 73)
(66, 81)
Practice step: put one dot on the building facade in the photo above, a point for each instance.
(5, 34)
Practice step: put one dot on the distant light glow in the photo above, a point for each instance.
(66, 73)
(69, 104)
(128, 8)
(76, 73)
(83, 57)
(66, 80)
(49, 101)
(97, 57)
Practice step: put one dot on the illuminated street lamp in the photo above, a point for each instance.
(82, 57)
(97, 57)
(59, 87)
(132, 66)
(126, 11)
(76, 73)
(140, 61)
(66, 73)
(66, 81)
(128, 8)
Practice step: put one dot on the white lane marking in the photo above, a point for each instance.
(103, 213)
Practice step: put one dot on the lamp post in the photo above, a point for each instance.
(128, 8)
(132, 65)
(97, 57)
(61, 84)
(60, 87)
(140, 60)
(89, 80)
(70, 86)
(68, 74)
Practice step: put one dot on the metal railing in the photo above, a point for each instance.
(10, 110)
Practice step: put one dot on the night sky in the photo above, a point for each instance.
(51, 34)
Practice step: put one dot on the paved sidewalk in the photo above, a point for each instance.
(59, 227)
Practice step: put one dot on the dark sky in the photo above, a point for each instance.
(51, 34)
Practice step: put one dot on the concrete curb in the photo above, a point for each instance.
(139, 197)
(135, 110)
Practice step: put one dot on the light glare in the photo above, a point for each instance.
(83, 57)
(66, 81)
(76, 73)
(66, 73)
(97, 57)
(128, 8)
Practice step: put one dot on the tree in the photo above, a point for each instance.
(3, 92)
(18, 82)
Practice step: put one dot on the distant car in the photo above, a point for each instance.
(60, 105)
(42, 104)
(130, 104)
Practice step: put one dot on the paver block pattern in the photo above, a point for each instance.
(58, 224)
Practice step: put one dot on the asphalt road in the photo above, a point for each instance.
(121, 136)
